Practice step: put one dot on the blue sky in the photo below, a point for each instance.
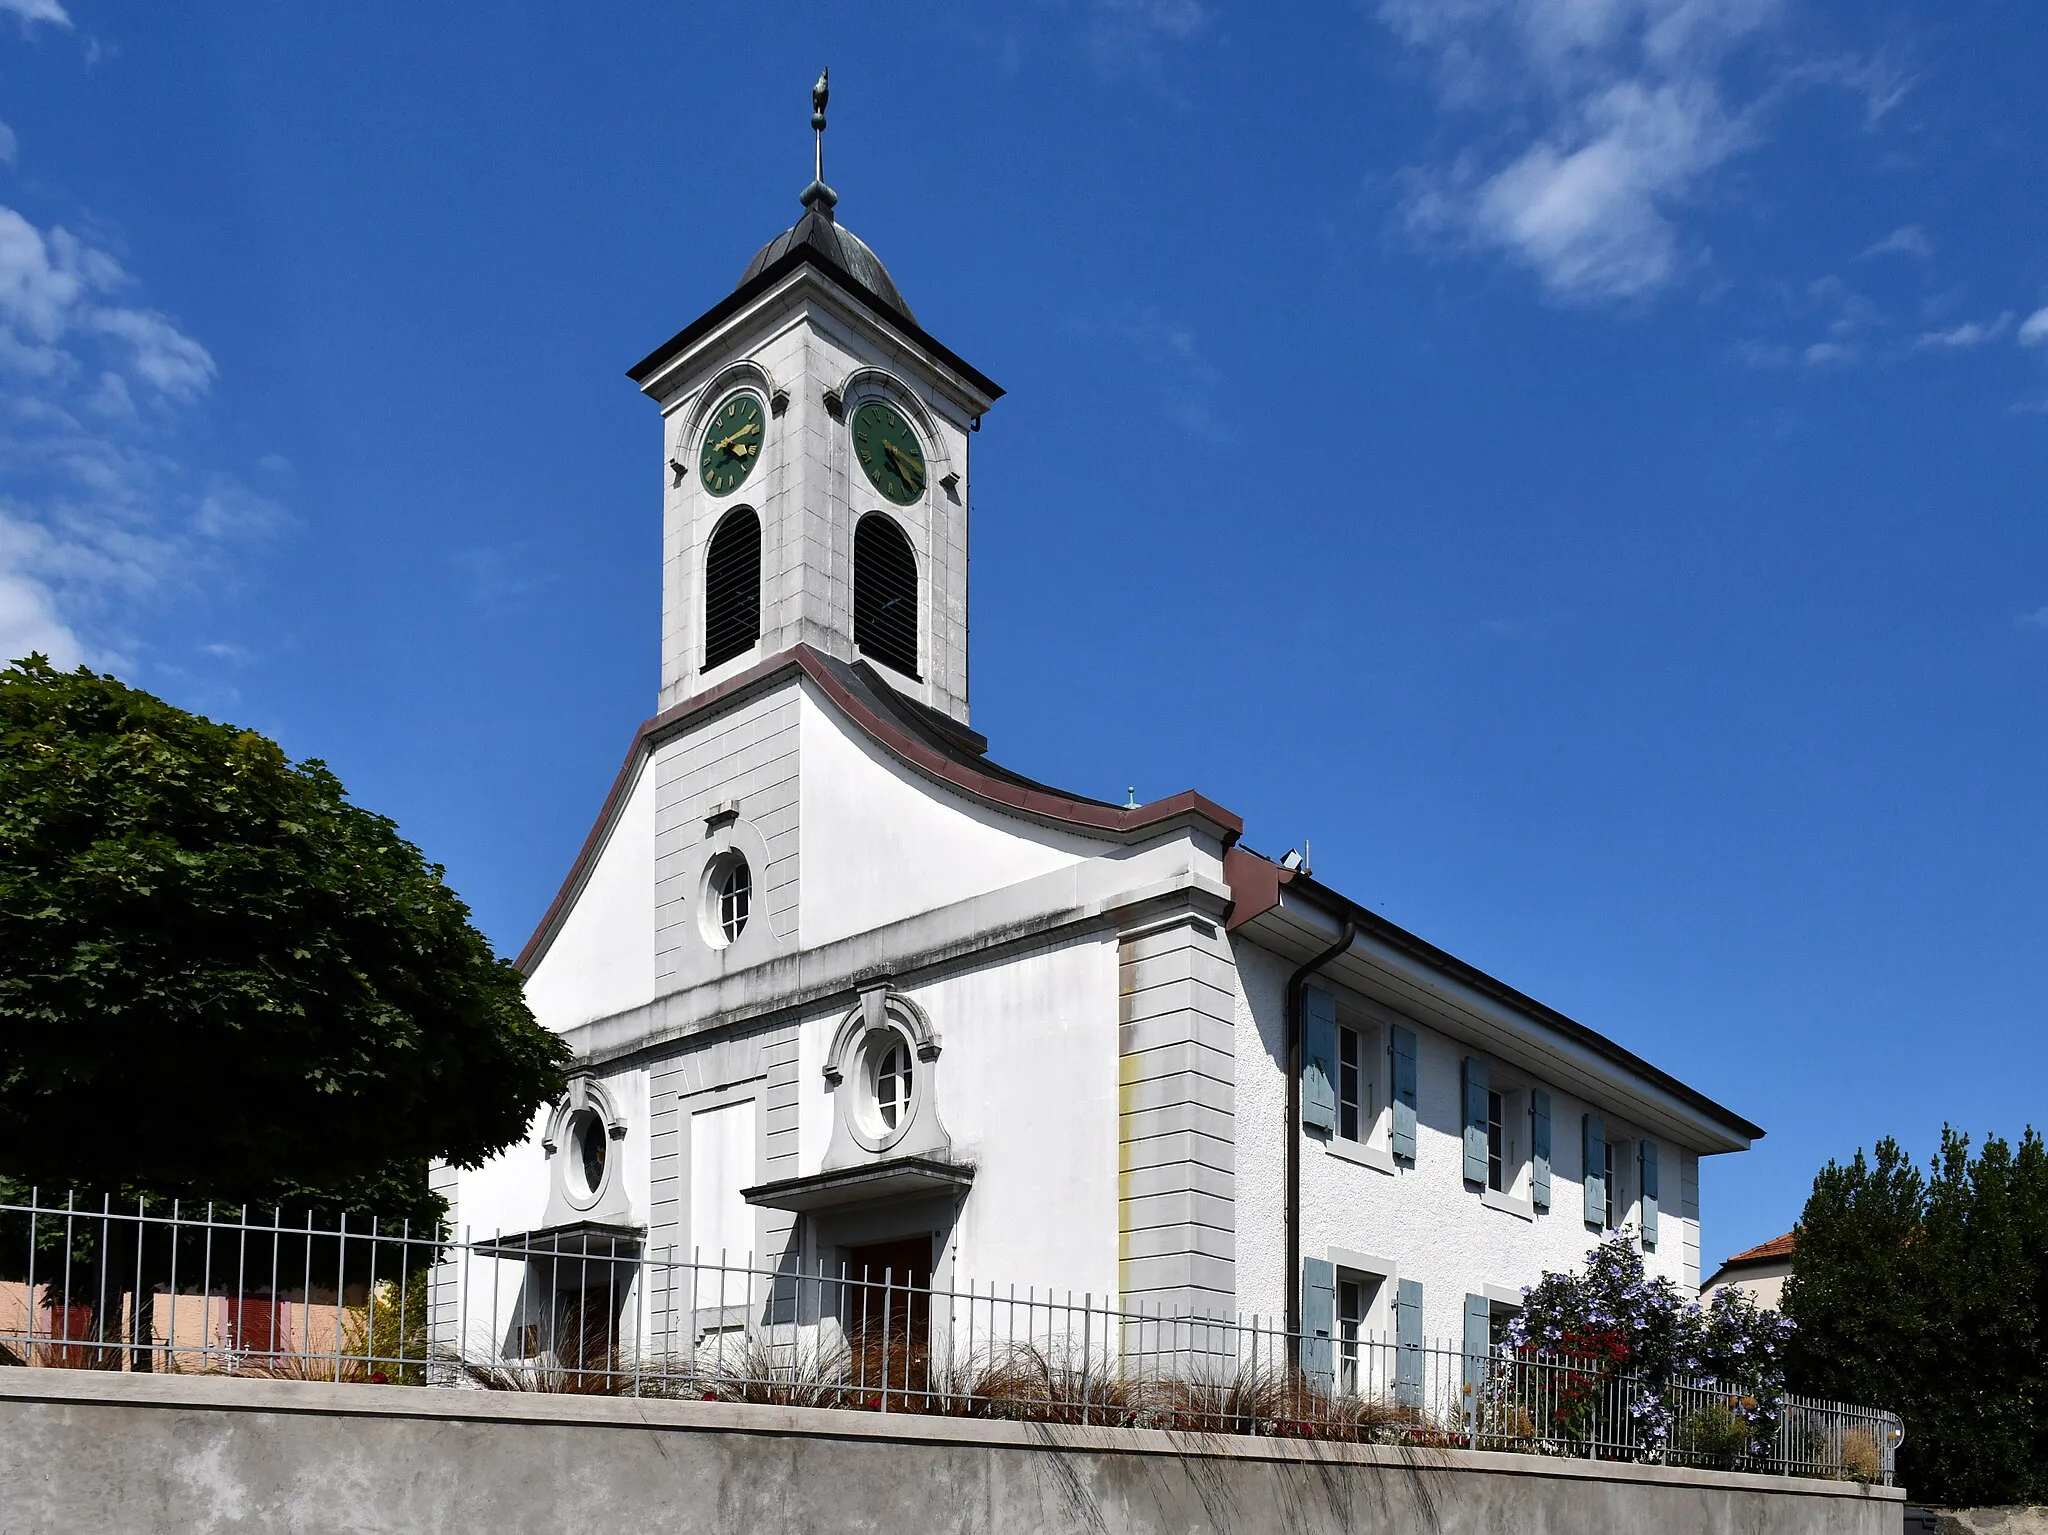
(1582, 464)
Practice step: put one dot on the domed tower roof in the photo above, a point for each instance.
(818, 232)
(817, 240)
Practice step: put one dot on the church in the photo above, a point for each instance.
(847, 994)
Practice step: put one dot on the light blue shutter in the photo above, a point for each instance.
(1408, 1355)
(1539, 1148)
(1318, 1321)
(1478, 1346)
(1649, 1156)
(1475, 1121)
(1596, 1171)
(1319, 1060)
(1402, 1049)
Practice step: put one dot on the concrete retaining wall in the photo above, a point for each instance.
(83, 1453)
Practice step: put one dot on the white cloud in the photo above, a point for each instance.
(2038, 619)
(1910, 240)
(163, 356)
(1134, 39)
(1967, 336)
(28, 610)
(230, 509)
(1614, 116)
(97, 511)
(1592, 128)
(500, 577)
(1828, 354)
(2034, 328)
(32, 11)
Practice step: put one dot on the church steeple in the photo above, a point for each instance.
(815, 439)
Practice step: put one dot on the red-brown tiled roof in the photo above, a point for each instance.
(1777, 1247)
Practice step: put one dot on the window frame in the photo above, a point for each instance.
(1367, 1033)
(1497, 1142)
(893, 1083)
(1512, 1092)
(1353, 1091)
(1374, 1279)
(735, 898)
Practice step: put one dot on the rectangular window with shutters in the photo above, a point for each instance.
(1361, 1133)
(1355, 1296)
(1497, 1138)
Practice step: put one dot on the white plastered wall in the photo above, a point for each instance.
(1027, 1089)
(1436, 1228)
(601, 959)
(882, 842)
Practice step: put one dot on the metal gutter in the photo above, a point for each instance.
(1297, 986)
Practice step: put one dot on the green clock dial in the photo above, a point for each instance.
(888, 450)
(732, 443)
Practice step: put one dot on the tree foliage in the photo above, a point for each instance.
(1925, 1294)
(219, 977)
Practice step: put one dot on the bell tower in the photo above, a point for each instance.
(815, 470)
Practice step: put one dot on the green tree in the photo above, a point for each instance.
(221, 979)
(1923, 1293)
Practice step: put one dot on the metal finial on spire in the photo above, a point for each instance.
(817, 194)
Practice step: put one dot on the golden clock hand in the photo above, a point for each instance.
(905, 466)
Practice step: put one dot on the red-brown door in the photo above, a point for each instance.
(888, 1323)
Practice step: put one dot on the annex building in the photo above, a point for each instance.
(845, 992)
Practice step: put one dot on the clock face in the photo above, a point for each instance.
(888, 450)
(732, 443)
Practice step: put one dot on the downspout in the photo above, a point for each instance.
(1297, 985)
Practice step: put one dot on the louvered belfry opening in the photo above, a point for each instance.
(732, 587)
(885, 594)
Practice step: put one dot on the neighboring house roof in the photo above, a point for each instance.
(1776, 1249)
(954, 755)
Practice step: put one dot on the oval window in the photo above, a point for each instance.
(590, 1141)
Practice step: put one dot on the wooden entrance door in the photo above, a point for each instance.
(888, 1320)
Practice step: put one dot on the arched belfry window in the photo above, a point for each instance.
(732, 587)
(885, 594)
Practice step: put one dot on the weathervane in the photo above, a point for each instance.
(817, 193)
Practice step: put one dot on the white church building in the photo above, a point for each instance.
(843, 991)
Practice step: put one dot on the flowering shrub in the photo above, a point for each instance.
(1611, 1320)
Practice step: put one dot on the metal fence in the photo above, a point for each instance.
(212, 1291)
